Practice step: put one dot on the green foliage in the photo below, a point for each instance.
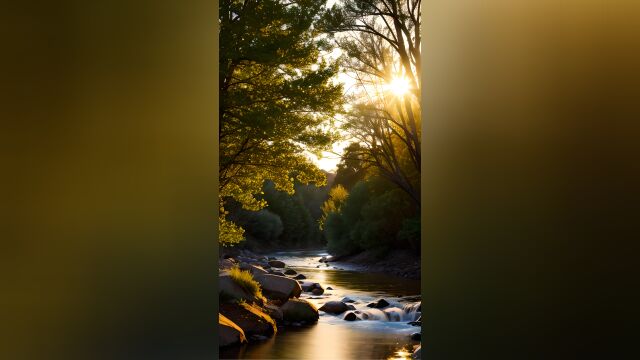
(375, 215)
(245, 280)
(299, 227)
(277, 99)
(337, 196)
(410, 233)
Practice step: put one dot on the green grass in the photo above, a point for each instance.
(245, 280)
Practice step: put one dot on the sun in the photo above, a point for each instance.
(399, 86)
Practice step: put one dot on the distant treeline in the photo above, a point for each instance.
(357, 210)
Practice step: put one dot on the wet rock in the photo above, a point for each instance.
(317, 291)
(229, 289)
(329, 288)
(277, 273)
(296, 310)
(351, 307)
(226, 264)
(278, 287)
(253, 269)
(334, 307)
(290, 272)
(308, 286)
(250, 318)
(416, 336)
(229, 333)
(274, 311)
(299, 277)
(271, 258)
(347, 300)
(350, 317)
(276, 264)
(415, 323)
(378, 304)
(323, 259)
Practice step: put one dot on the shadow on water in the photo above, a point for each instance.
(332, 337)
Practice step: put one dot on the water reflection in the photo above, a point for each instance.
(326, 341)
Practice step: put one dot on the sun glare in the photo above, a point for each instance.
(399, 86)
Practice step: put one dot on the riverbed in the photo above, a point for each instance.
(378, 337)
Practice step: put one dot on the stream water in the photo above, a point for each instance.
(383, 335)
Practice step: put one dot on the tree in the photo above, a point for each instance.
(382, 41)
(277, 100)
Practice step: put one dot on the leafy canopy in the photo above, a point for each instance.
(277, 100)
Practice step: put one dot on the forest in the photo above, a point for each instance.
(284, 101)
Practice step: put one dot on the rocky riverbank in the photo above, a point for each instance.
(401, 263)
(245, 317)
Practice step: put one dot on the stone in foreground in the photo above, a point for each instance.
(334, 307)
(276, 264)
(250, 318)
(229, 333)
(278, 287)
(296, 310)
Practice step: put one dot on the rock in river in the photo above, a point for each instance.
(416, 336)
(278, 287)
(276, 264)
(290, 272)
(317, 291)
(351, 317)
(299, 310)
(228, 332)
(299, 277)
(334, 307)
(250, 318)
(378, 304)
(231, 289)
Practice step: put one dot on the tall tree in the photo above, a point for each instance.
(277, 99)
(381, 39)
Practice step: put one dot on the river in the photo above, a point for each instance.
(380, 337)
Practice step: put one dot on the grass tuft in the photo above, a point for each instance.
(245, 280)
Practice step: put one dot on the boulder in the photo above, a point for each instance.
(299, 310)
(329, 288)
(229, 333)
(228, 289)
(416, 336)
(347, 300)
(250, 318)
(351, 317)
(276, 264)
(322, 259)
(334, 307)
(277, 273)
(317, 291)
(274, 311)
(378, 304)
(278, 287)
(253, 269)
(290, 272)
(299, 277)
(226, 264)
(308, 286)
(351, 307)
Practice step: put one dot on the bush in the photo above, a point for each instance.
(244, 279)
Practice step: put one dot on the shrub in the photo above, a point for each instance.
(244, 279)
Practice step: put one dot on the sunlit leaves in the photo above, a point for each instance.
(276, 97)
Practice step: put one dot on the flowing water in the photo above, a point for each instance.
(381, 334)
